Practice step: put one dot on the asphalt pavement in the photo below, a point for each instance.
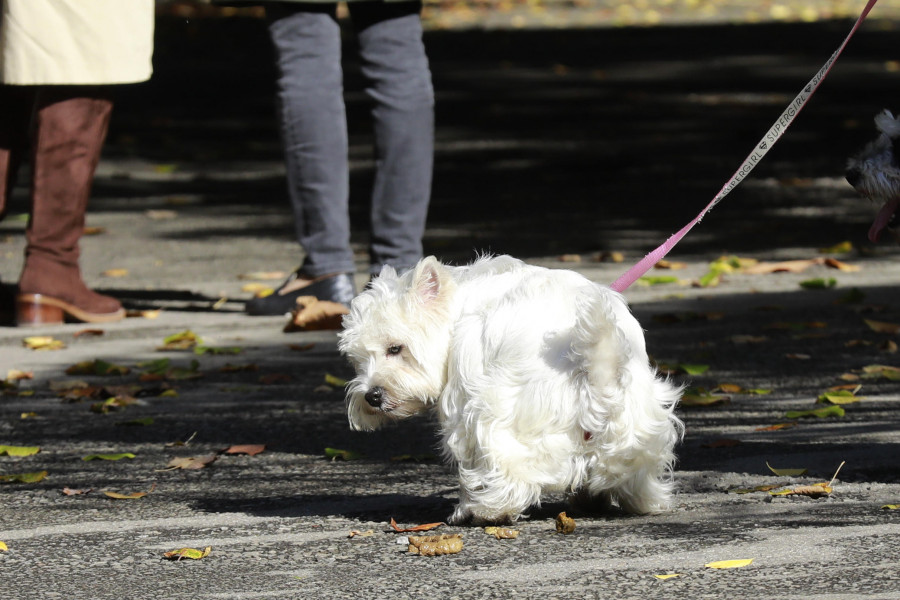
(567, 148)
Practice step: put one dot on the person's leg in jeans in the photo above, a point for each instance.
(313, 123)
(396, 67)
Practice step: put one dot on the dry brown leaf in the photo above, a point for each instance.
(425, 527)
(789, 266)
(841, 266)
(436, 545)
(191, 462)
(70, 492)
(88, 333)
(249, 449)
(564, 523)
(313, 314)
(882, 327)
(17, 375)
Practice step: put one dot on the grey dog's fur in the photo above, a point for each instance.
(875, 173)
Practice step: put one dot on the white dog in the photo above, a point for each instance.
(875, 173)
(540, 380)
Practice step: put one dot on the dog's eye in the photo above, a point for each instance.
(394, 350)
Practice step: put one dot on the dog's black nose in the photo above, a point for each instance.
(375, 396)
(853, 176)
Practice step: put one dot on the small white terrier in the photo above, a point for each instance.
(875, 173)
(540, 379)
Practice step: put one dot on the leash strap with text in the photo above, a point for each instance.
(765, 144)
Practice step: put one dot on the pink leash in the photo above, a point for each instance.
(768, 140)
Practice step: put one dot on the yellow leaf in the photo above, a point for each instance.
(17, 375)
(131, 496)
(890, 507)
(115, 273)
(729, 564)
(190, 553)
(4, 547)
(335, 381)
(28, 415)
(840, 248)
(258, 289)
(786, 472)
(667, 576)
(263, 275)
(42, 342)
(19, 450)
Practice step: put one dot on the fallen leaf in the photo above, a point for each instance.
(301, 347)
(19, 450)
(890, 507)
(14, 375)
(367, 533)
(812, 491)
(313, 314)
(777, 427)
(4, 547)
(885, 371)
(131, 496)
(570, 258)
(657, 280)
(249, 449)
(191, 463)
(336, 454)
(819, 413)
(335, 381)
(839, 397)
(88, 333)
(112, 404)
(670, 265)
(263, 275)
(701, 398)
(667, 576)
(786, 472)
(436, 545)
(161, 214)
(759, 488)
(882, 327)
(190, 553)
(115, 273)
(788, 266)
(614, 256)
(819, 283)
(67, 491)
(117, 456)
(42, 342)
(183, 340)
(217, 350)
(97, 367)
(833, 263)
(425, 527)
(729, 564)
(28, 415)
(564, 523)
(841, 248)
(230, 368)
(23, 477)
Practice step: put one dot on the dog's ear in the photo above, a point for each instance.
(887, 124)
(427, 281)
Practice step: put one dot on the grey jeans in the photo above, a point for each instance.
(314, 129)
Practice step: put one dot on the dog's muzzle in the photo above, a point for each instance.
(375, 397)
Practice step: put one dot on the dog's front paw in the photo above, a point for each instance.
(460, 516)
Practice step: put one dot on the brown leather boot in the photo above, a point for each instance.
(70, 127)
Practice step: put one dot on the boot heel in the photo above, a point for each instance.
(30, 310)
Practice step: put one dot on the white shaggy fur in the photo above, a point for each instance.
(540, 380)
(875, 173)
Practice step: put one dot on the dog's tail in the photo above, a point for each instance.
(627, 407)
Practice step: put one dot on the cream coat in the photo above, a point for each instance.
(58, 42)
